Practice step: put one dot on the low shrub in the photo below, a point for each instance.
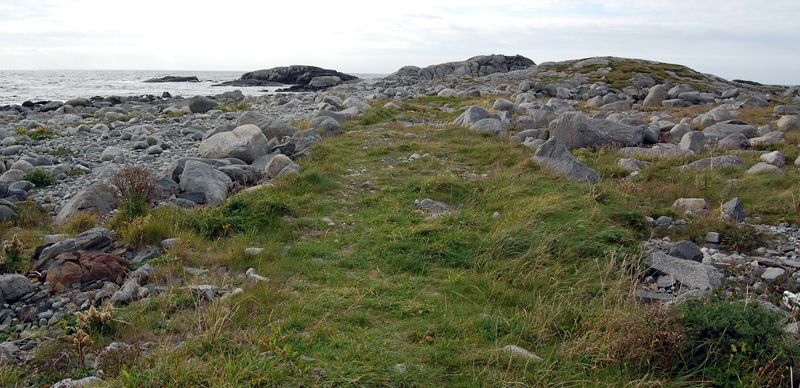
(136, 189)
(736, 344)
(40, 178)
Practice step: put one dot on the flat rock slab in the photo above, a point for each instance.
(690, 274)
(715, 163)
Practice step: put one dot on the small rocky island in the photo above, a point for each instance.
(172, 78)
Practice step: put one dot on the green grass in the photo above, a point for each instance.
(526, 258)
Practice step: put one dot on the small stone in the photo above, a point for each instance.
(253, 251)
(772, 274)
(399, 368)
(318, 260)
(195, 271)
(170, 242)
(518, 351)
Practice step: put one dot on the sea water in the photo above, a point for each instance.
(18, 86)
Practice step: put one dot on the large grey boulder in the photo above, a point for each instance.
(733, 210)
(679, 130)
(110, 153)
(276, 164)
(714, 163)
(491, 126)
(577, 130)
(200, 177)
(762, 167)
(271, 127)
(246, 143)
(686, 250)
(540, 133)
(325, 81)
(655, 96)
(175, 169)
(13, 287)
(690, 274)
(734, 141)
(554, 155)
(694, 141)
(200, 104)
(305, 139)
(775, 158)
(325, 126)
(788, 123)
(503, 105)
(727, 128)
(472, 115)
(98, 199)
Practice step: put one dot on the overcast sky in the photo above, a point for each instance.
(744, 39)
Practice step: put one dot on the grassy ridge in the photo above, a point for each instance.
(527, 259)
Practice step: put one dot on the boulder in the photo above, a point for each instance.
(246, 143)
(694, 205)
(200, 177)
(98, 199)
(554, 155)
(788, 123)
(94, 239)
(727, 128)
(472, 115)
(690, 274)
(631, 165)
(655, 96)
(734, 141)
(276, 164)
(774, 158)
(305, 139)
(577, 130)
(694, 141)
(324, 81)
(541, 134)
(110, 153)
(714, 163)
(491, 126)
(13, 287)
(686, 250)
(200, 104)
(503, 105)
(75, 268)
(271, 127)
(762, 167)
(325, 126)
(769, 138)
(175, 169)
(733, 210)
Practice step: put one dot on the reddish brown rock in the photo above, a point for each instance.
(73, 268)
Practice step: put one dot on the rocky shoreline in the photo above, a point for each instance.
(202, 150)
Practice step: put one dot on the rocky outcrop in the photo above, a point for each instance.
(474, 67)
(301, 76)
